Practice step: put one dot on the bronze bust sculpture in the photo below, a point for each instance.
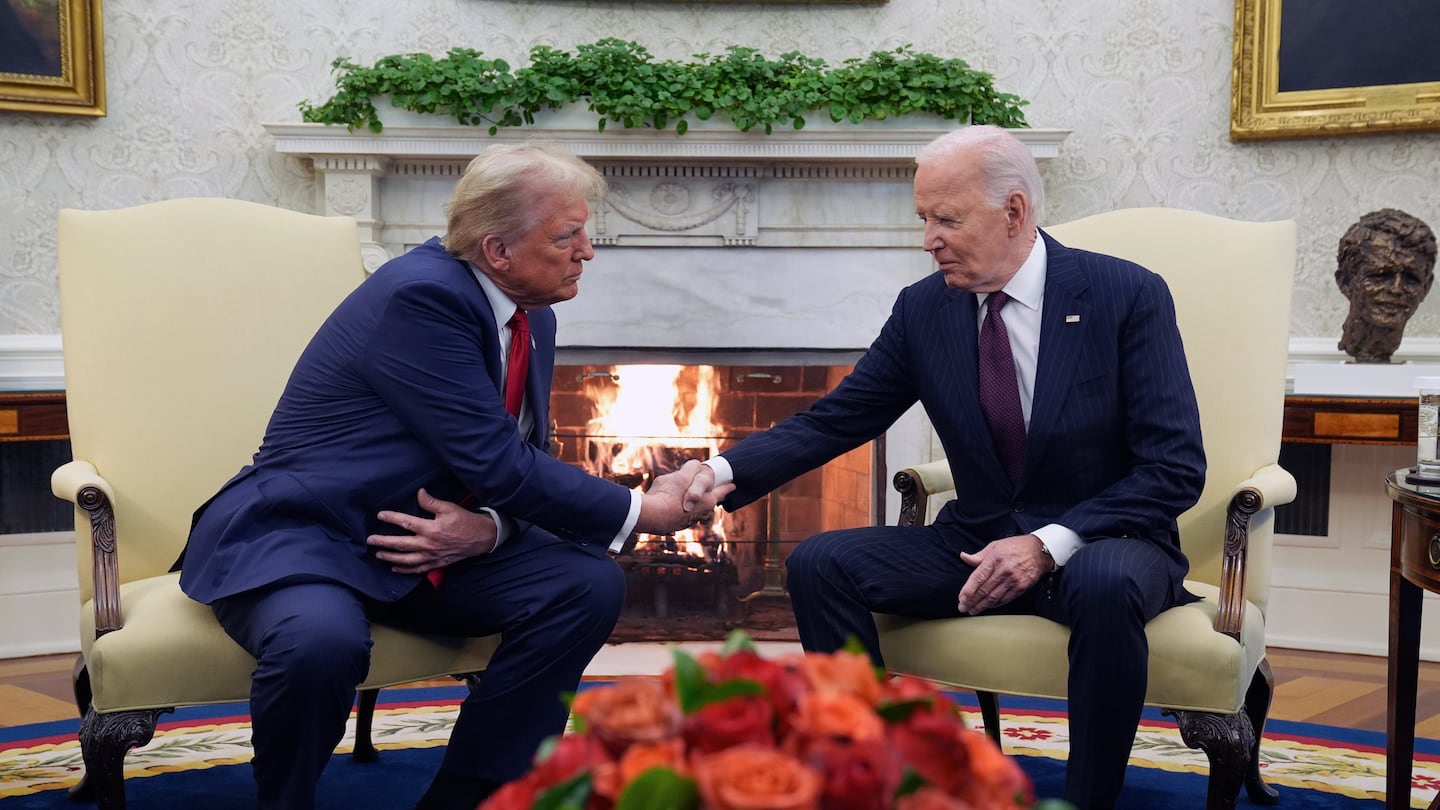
(1385, 266)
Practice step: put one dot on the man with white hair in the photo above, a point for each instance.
(1057, 384)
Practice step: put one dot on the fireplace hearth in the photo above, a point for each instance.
(632, 422)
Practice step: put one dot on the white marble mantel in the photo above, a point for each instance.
(823, 186)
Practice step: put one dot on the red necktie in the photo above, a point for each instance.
(517, 368)
(999, 390)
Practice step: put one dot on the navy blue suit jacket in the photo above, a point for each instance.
(1113, 448)
(399, 389)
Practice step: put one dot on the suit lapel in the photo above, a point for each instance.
(1064, 322)
(542, 370)
(958, 331)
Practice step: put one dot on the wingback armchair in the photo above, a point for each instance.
(1231, 283)
(181, 321)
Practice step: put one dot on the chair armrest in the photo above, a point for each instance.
(1269, 487)
(1272, 484)
(80, 483)
(916, 484)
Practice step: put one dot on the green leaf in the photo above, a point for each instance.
(909, 783)
(901, 710)
(568, 795)
(659, 787)
(737, 641)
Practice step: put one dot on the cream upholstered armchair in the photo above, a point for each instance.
(181, 321)
(1231, 282)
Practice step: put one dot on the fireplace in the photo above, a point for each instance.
(757, 255)
(629, 422)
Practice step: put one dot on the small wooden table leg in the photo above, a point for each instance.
(1403, 676)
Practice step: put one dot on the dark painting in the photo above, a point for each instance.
(1343, 43)
(30, 37)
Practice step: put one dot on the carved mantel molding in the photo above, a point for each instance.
(826, 185)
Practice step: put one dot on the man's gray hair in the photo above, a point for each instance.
(1005, 163)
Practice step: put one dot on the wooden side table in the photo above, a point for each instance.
(1414, 569)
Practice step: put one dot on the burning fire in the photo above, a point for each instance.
(649, 420)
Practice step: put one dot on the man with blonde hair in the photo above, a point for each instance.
(428, 388)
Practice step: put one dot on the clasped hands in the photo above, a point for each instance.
(678, 499)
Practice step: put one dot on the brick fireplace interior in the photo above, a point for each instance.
(728, 572)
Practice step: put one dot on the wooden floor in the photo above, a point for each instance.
(1336, 690)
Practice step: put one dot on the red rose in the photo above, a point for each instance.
(517, 795)
(572, 754)
(752, 777)
(782, 680)
(843, 672)
(932, 744)
(995, 781)
(826, 715)
(738, 720)
(906, 688)
(858, 775)
(632, 710)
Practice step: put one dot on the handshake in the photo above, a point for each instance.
(680, 498)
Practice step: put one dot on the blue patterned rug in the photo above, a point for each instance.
(199, 758)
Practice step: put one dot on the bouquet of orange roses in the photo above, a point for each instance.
(735, 731)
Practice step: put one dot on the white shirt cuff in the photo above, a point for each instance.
(1062, 543)
(618, 544)
(723, 473)
(503, 529)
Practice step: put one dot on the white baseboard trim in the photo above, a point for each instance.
(1342, 621)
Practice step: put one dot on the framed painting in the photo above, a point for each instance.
(52, 56)
(1306, 68)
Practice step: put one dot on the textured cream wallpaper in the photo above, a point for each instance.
(1143, 84)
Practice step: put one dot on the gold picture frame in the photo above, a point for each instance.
(54, 58)
(1259, 110)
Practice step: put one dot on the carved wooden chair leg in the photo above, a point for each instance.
(990, 713)
(1257, 705)
(104, 741)
(1227, 740)
(365, 750)
(81, 791)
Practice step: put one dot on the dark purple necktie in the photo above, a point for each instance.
(999, 391)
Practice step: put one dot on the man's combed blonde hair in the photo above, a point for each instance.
(502, 190)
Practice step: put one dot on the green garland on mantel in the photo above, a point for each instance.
(621, 83)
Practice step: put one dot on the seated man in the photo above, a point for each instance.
(431, 381)
(1072, 431)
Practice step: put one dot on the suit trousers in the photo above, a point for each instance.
(554, 602)
(1106, 593)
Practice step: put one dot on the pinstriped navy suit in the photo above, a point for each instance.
(1113, 451)
(401, 389)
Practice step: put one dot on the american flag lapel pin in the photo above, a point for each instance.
(1072, 319)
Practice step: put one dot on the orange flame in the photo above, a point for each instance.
(648, 414)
